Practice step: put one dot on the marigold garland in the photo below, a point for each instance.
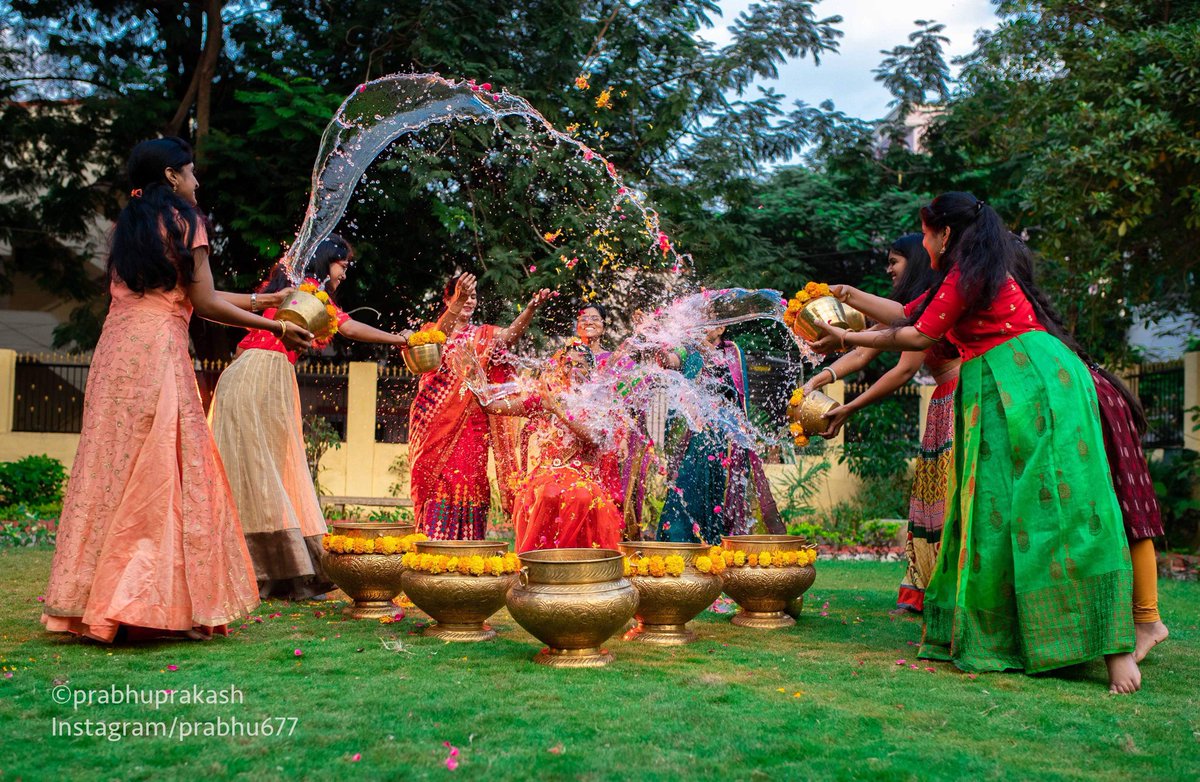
(385, 544)
(327, 333)
(799, 436)
(765, 559)
(427, 337)
(472, 565)
(810, 292)
(655, 566)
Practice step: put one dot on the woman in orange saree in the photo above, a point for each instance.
(149, 540)
(449, 432)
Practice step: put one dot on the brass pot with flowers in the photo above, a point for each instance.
(572, 600)
(764, 574)
(675, 582)
(364, 559)
(807, 412)
(309, 307)
(460, 584)
(423, 353)
(815, 304)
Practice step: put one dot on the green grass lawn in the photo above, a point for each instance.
(827, 699)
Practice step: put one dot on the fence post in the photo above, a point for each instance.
(361, 397)
(8, 388)
(1191, 398)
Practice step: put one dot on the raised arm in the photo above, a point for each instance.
(211, 305)
(877, 308)
(899, 339)
(464, 289)
(515, 329)
(908, 365)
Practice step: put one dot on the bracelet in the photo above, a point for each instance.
(832, 374)
(254, 302)
(282, 328)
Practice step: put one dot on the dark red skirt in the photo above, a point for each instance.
(1127, 462)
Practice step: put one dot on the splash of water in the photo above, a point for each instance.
(380, 112)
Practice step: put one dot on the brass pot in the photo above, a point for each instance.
(572, 600)
(370, 580)
(811, 411)
(422, 358)
(666, 604)
(306, 311)
(764, 593)
(825, 309)
(855, 320)
(459, 604)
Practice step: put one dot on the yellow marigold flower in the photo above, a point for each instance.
(475, 566)
(790, 558)
(409, 560)
(512, 563)
(752, 560)
(604, 99)
(658, 568)
(797, 397)
(425, 562)
(626, 567)
(764, 559)
(801, 440)
(674, 565)
(739, 559)
(322, 297)
(704, 564)
(386, 545)
(718, 565)
(308, 287)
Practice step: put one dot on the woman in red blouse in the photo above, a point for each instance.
(1034, 571)
(257, 425)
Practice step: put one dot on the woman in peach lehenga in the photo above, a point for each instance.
(149, 541)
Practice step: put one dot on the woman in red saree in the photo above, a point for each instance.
(449, 432)
(562, 502)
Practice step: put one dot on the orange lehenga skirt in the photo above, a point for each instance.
(562, 504)
(149, 538)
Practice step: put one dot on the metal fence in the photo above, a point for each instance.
(48, 396)
(1160, 389)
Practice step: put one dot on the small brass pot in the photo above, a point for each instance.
(666, 604)
(572, 600)
(306, 311)
(459, 604)
(422, 358)
(811, 411)
(763, 594)
(370, 580)
(826, 309)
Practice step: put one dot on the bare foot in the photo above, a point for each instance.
(1149, 635)
(198, 635)
(903, 612)
(1123, 674)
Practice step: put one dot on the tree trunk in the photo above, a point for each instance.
(199, 90)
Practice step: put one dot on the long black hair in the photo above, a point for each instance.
(918, 275)
(331, 250)
(1047, 315)
(151, 247)
(980, 246)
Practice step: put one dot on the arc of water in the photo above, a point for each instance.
(379, 112)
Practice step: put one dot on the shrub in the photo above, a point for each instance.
(34, 480)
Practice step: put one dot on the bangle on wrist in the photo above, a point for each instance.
(832, 374)
(254, 302)
(282, 328)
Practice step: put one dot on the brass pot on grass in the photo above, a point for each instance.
(572, 600)
(370, 580)
(764, 593)
(667, 603)
(459, 603)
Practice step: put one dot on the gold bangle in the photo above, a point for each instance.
(282, 329)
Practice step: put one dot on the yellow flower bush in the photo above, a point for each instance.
(427, 337)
